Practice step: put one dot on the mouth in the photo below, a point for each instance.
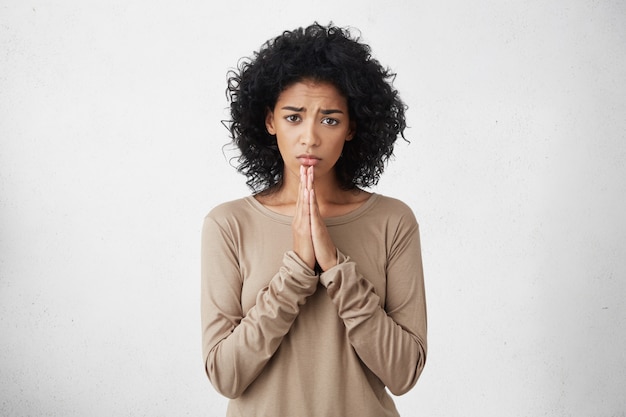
(308, 160)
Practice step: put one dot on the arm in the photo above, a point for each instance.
(237, 347)
(391, 342)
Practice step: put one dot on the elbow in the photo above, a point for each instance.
(230, 394)
(227, 385)
(401, 387)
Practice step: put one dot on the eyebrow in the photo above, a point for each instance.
(301, 109)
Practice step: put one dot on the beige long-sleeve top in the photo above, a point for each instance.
(280, 340)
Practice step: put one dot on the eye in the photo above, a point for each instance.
(330, 121)
(293, 118)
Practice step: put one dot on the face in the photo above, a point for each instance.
(311, 124)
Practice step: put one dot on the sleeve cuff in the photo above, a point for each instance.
(327, 277)
(292, 261)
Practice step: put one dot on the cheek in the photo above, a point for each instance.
(340, 143)
(285, 149)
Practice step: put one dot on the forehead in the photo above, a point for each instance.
(313, 92)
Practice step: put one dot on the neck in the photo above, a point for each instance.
(327, 189)
(331, 198)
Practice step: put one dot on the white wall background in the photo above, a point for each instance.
(111, 154)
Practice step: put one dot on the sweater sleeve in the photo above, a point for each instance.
(391, 341)
(235, 346)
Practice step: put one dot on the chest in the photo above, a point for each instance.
(260, 262)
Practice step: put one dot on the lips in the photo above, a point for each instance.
(308, 160)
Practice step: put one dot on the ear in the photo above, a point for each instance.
(351, 132)
(269, 122)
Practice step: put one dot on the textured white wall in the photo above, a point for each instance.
(111, 153)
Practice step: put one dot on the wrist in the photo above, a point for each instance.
(328, 264)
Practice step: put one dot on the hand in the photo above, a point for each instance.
(301, 225)
(312, 242)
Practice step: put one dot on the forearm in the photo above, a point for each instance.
(237, 350)
(395, 352)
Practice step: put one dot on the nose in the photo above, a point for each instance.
(309, 136)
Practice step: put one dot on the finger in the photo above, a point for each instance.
(310, 177)
(325, 250)
(317, 223)
(301, 227)
(314, 209)
(299, 197)
(304, 210)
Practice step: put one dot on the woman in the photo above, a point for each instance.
(312, 288)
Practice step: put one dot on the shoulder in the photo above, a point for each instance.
(401, 225)
(392, 203)
(392, 207)
(230, 212)
(395, 217)
(225, 223)
(227, 208)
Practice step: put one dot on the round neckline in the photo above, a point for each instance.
(330, 221)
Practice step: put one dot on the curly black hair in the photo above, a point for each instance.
(325, 54)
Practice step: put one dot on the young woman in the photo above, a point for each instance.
(312, 288)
